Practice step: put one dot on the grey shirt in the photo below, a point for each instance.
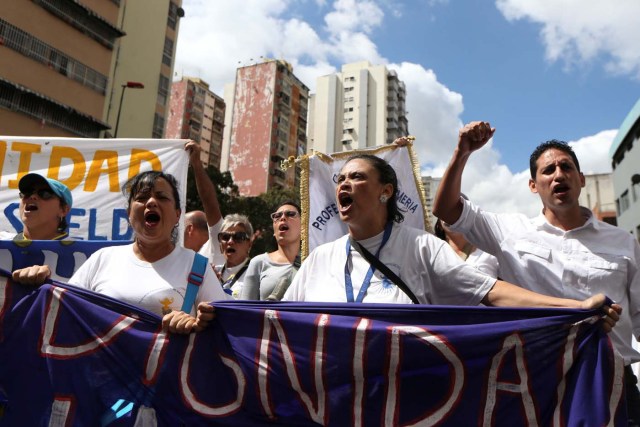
(262, 276)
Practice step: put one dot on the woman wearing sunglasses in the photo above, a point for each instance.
(267, 270)
(235, 239)
(44, 205)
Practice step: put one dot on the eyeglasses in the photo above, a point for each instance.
(43, 193)
(289, 214)
(238, 236)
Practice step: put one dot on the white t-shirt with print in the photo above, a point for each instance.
(426, 264)
(117, 272)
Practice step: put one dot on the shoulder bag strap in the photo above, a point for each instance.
(194, 280)
(384, 269)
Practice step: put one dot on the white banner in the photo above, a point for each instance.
(94, 170)
(321, 221)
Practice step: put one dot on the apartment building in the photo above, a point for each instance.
(55, 61)
(197, 113)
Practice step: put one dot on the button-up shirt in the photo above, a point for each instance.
(594, 258)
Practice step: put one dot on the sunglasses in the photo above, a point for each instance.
(44, 194)
(238, 236)
(289, 214)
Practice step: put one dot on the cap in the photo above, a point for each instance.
(32, 180)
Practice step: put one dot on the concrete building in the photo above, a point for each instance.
(144, 57)
(430, 185)
(598, 196)
(55, 59)
(362, 106)
(265, 124)
(197, 113)
(625, 155)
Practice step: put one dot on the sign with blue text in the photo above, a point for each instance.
(320, 219)
(94, 170)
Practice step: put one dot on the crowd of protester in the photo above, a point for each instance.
(565, 257)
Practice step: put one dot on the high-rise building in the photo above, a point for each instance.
(197, 113)
(598, 196)
(625, 155)
(55, 60)
(138, 100)
(430, 185)
(266, 124)
(362, 106)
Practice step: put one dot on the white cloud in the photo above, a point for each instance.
(217, 36)
(579, 31)
(354, 16)
(591, 150)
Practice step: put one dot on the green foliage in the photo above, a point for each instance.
(257, 208)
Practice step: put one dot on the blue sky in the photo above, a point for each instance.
(565, 69)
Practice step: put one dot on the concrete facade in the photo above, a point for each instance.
(625, 155)
(362, 106)
(598, 196)
(197, 113)
(55, 61)
(145, 55)
(265, 124)
(430, 185)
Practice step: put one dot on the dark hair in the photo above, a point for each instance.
(548, 145)
(386, 176)
(438, 230)
(145, 180)
(288, 202)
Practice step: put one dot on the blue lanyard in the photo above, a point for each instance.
(367, 279)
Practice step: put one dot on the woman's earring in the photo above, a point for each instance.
(383, 199)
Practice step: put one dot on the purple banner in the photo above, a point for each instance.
(72, 357)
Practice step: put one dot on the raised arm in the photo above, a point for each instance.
(206, 189)
(472, 136)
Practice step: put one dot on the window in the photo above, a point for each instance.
(158, 126)
(348, 89)
(172, 20)
(29, 46)
(624, 201)
(348, 99)
(163, 90)
(49, 112)
(348, 110)
(83, 19)
(167, 53)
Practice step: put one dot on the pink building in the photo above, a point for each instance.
(268, 125)
(197, 113)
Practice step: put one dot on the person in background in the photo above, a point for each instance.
(209, 199)
(196, 230)
(152, 272)
(267, 270)
(44, 205)
(235, 239)
(467, 252)
(563, 252)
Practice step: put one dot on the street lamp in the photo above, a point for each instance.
(132, 85)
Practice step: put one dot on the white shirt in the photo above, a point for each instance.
(484, 262)
(211, 248)
(227, 273)
(116, 271)
(594, 258)
(426, 264)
